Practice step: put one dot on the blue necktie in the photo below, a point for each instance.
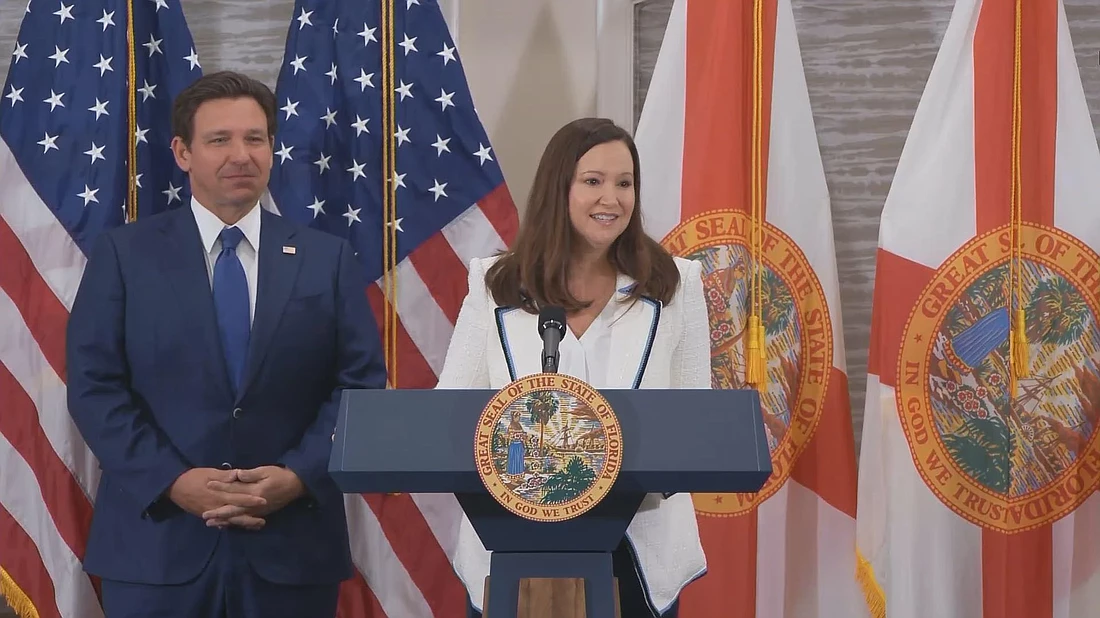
(231, 304)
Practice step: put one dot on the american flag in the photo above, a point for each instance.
(362, 79)
(64, 179)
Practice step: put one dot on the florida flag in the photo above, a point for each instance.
(980, 458)
(732, 177)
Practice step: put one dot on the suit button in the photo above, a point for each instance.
(226, 466)
(236, 412)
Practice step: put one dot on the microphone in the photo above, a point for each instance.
(552, 331)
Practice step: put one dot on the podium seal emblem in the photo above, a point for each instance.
(548, 447)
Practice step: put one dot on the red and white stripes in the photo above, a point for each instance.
(49, 476)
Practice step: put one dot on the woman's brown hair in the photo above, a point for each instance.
(533, 273)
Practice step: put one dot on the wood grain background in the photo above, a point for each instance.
(866, 64)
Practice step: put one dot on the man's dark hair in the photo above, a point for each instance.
(221, 85)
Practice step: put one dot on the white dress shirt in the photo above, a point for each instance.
(586, 358)
(210, 227)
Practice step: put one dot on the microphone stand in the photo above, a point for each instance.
(550, 355)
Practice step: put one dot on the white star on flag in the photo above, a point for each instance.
(352, 215)
(153, 46)
(173, 193)
(55, 100)
(291, 109)
(108, 19)
(100, 108)
(284, 153)
(438, 191)
(104, 65)
(59, 56)
(96, 152)
(299, 63)
(440, 145)
(303, 19)
(445, 99)
(65, 12)
(147, 91)
(448, 54)
(89, 195)
(483, 153)
(364, 80)
(360, 125)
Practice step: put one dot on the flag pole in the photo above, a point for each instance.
(389, 195)
(131, 123)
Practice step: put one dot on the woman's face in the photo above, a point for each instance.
(601, 198)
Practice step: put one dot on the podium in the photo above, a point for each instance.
(674, 441)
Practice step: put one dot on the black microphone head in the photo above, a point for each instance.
(552, 317)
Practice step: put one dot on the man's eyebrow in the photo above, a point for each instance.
(221, 132)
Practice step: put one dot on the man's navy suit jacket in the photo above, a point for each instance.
(149, 391)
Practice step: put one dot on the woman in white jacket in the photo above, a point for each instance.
(636, 319)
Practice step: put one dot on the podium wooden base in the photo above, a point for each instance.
(546, 597)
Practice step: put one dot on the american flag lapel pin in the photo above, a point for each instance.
(289, 250)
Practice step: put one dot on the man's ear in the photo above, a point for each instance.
(182, 154)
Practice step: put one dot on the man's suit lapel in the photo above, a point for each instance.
(184, 265)
(277, 272)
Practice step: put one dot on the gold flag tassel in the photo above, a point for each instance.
(1018, 344)
(756, 354)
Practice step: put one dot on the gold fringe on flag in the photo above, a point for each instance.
(16, 598)
(131, 126)
(872, 592)
(389, 197)
(1018, 344)
(756, 354)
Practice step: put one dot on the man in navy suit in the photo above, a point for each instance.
(207, 350)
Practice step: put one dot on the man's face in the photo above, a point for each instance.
(230, 157)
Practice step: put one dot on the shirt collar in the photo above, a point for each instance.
(210, 226)
(624, 285)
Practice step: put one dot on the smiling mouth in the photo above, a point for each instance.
(604, 217)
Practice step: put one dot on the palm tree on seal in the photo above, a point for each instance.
(542, 406)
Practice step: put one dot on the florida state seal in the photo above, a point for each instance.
(1006, 460)
(548, 447)
(799, 336)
